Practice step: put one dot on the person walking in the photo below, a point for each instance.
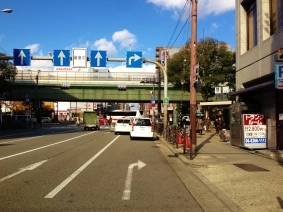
(200, 126)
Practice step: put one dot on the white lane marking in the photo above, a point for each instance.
(27, 168)
(23, 139)
(128, 183)
(21, 153)
(76, 173)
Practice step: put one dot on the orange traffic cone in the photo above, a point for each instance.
(187, 141)
(180, 138)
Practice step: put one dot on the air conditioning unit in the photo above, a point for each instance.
(279, 57)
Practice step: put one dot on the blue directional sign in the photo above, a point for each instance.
(21, 57)
(98, 58)
(279, 77)
(61, 57)
(134, 60)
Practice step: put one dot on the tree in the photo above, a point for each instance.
(216, 66)
(7, 75)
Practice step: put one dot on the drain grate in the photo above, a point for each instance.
(251, 167)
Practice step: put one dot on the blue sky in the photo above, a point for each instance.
(113, 26)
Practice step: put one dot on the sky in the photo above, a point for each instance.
(110, 25)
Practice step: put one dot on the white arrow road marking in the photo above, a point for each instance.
(135, 58)
(128, 183)
(76, 173)
(61, 56)
(28, 168)
(22, 55)
(98, 57)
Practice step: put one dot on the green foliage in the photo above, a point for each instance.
(7, 75)
(216, 66)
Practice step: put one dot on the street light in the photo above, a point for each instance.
(6, 10)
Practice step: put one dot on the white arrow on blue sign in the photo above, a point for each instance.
(61, 57)
(21, 57)
(134, 60)
(98, 58)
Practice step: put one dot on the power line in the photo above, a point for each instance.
(180, 18)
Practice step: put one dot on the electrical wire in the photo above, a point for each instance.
(180, 18)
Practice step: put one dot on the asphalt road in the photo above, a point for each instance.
(64, 168)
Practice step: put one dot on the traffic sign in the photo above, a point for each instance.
(27, 96)
(98, 58)
(61, 57)
(153, 98)
(166, 100)
(134, 60)
(21, 57)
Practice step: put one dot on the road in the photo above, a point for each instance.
(64, 168)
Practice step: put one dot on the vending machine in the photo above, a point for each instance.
(247, 126)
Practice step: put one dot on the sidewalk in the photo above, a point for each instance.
(250, 179)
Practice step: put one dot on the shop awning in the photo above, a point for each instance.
(253, 88)
(215, 103)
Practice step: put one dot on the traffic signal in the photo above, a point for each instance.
(65, 86)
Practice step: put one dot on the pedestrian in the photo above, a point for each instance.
(216, 125)
(200, 126)
(184, 122)
(78, 122)
(207, 124)
(110, 120)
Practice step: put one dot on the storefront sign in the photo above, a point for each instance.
(278, 76)
(254, 131)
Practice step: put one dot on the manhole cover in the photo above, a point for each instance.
(251, 168)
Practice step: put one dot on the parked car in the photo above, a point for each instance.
(46, 120)
(103, 121)
(123, 126)
(142, 128)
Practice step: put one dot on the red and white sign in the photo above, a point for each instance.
(95, 105)
(254, 131)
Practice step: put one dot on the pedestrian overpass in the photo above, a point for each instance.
(93, 86)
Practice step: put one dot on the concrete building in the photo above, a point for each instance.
(259, 62)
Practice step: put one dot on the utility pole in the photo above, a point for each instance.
(193, 96)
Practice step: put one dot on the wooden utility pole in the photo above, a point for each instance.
(193, 105)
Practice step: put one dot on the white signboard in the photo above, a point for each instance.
(225, 89)
(79, 57)
(217, 90)
(254, 131)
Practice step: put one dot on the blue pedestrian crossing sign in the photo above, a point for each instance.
(98, 58)
(61, 57)
(21, 57)
(134, 60)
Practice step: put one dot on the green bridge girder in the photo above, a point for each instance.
(100, 93)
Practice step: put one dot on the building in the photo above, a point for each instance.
(259, 43)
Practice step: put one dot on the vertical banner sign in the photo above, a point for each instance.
(254, 131)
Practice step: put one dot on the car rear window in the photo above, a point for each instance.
(123, 121)
(143, 122)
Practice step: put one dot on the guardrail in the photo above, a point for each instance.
(25, 76)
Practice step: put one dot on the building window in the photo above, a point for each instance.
(251, 11)
(276, 16)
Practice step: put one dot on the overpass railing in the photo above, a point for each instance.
(25, 76)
